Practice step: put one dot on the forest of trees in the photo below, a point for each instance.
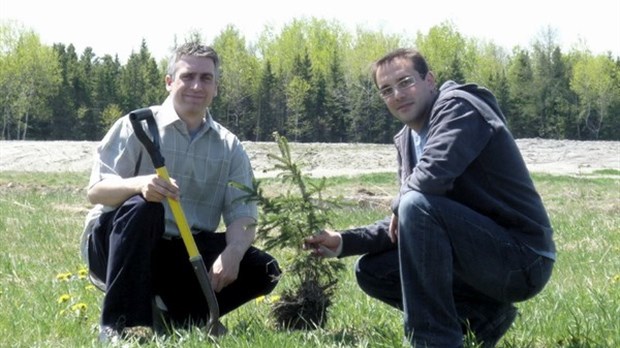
(310, 82)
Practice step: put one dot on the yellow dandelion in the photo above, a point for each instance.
(64, 298)
(274, 298)
(83, 273)
(268, 299)
(79, 307)
(63, 276)
(616, 278)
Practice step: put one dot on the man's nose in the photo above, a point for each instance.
(197, 83)
(398, 93)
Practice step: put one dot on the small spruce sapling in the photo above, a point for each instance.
(284, 220)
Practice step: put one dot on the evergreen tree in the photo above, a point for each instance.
(318, 114)
(299, 99)
(84, 86)
(550, 86)
(371, 122)
(308, 82)
(106, 79)
(266, 118)
(498, 83)
(337, 103)
(520, 110)
(141, 83)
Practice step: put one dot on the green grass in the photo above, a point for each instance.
(606, 172)
(45, 301)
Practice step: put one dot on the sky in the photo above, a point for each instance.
(118, 27)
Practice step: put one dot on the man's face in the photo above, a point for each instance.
(408, 96)
(193, 86)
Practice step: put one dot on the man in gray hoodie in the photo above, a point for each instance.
(469, 234)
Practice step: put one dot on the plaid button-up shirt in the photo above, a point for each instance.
(202, 166)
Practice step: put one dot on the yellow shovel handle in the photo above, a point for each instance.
(179, 217)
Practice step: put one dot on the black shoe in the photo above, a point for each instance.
(140, 334)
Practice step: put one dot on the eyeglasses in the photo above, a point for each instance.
(404, 83)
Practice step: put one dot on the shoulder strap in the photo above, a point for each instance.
(138, 163)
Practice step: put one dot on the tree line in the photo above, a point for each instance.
(309, 82)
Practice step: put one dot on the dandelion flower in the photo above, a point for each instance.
(616, 278)
(274, 298)
(64, 298)
(269, 299)
(63, 276)
(83, 273)
(78, 308)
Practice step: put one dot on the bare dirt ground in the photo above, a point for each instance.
(542, 156)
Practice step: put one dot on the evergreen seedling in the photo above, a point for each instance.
(284, 220)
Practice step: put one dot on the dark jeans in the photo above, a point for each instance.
(463, 272)
(128, 253)
(379, 276)
(458, 265)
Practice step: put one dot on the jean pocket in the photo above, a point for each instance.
(523, 284)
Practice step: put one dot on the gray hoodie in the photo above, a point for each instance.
(470, 157)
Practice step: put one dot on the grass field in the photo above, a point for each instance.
(46, 301)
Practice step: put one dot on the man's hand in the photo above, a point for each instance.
(239, 237)
(325, 244)
(156, 189)
(393, 232)
(225, 270)
(114, 191)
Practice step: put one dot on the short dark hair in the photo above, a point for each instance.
(196, 49)
(419, 62)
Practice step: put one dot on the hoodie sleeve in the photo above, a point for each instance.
(369, 239)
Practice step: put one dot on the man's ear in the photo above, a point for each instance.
(430, 79)
(168, 80)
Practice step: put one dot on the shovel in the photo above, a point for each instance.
(214, 327)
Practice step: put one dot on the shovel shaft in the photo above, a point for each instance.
(194, 257)
(179, 217)
(152, 147)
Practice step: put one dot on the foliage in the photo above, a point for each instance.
(28, 76)
(240, 76)
(308, 81)
(594, 80)
(284, 221)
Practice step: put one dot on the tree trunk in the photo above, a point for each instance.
(25, 127)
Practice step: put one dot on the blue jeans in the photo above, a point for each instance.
(378, 275)
(457, 265)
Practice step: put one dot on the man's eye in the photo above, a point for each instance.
(405, 83)
(387, 91)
